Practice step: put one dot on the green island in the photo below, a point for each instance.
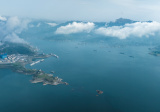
(17, 56)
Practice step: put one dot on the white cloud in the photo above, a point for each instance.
(17, 25)
(10, 29)
(137, 29)
(12, 23)
(39, 24)
(3, 18)
(52, 24)
(14, 38)
(75, 28)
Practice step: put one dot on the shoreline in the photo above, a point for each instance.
(39, 76)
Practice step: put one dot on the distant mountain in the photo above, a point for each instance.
(100, 24)
(120, 22)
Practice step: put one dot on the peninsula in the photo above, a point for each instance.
(17, 56)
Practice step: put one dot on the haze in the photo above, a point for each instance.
(84, 10)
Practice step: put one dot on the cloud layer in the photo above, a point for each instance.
(52, 24)
(75, 27)
(137, 29)
(2, 18)
(11, 27)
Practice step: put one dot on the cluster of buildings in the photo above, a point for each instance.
(6, 59)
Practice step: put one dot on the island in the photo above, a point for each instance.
(99, 91)
(17, 56)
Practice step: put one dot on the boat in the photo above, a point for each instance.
(52, 72)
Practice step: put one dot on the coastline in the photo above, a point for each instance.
(39, 76)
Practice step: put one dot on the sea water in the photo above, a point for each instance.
(128, 76)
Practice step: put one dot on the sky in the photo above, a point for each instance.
(84, 10)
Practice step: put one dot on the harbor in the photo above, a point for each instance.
(36, 62)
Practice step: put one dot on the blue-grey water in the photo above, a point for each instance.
(130, 84)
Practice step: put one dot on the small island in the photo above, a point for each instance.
(99, 92)
(17, 56)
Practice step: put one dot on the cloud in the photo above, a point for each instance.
(138, 29)
(13, 38)
(12, 23)
(75, 27)
(39, 24)
(52, 24)
(3, 18)
(10, 29)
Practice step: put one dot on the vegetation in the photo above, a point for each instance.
(19, 67)
(12, 48)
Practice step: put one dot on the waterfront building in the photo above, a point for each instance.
(3, 56)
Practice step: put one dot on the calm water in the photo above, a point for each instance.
(129, 84)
